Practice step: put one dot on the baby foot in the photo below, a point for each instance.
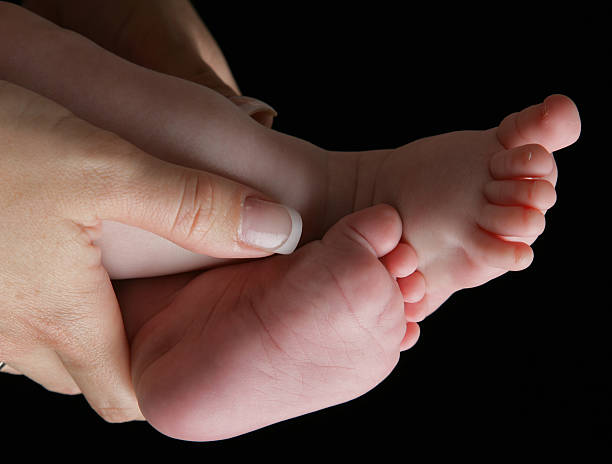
(247, 345)
(472, 202)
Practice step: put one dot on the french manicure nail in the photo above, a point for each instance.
(270, 226)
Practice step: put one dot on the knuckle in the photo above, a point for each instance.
(62, 330)
(104, 176)
(195, 213)
(105, 163)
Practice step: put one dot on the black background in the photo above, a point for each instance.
(521, 361)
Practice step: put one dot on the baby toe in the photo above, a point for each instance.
(412, 287)
(401, 261)
(536, 193)
(377, 230)
(411, 336)
(554, 123)
(514, 221)
(493, 251)
(416, 312)
(524, 161)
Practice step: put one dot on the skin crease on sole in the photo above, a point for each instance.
(276, 338)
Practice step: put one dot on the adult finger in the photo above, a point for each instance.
(10, 370)
(116, 181)
(199, 211)
(206, 76)
(44, 367)
(163, 35)
(96, 356)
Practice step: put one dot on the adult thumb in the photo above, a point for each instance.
(202, 212)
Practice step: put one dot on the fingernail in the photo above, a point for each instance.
(258, 110)
(270, 226)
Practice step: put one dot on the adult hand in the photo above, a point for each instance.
(164, 35)
(60, 177)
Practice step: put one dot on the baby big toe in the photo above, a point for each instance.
(555, 123)
(513, 221)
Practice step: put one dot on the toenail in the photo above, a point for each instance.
(529, 156)
(544, 109)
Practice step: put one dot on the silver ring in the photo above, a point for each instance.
(2, 364)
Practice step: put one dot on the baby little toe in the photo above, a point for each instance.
(411, 336)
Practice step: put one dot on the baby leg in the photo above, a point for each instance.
(170, 118)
